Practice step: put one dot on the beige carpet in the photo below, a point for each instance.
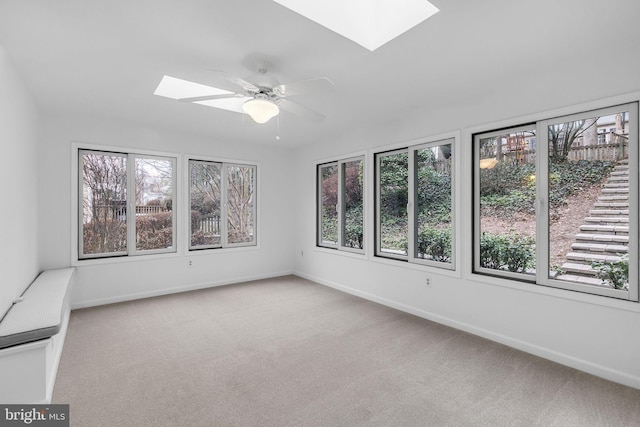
(288, 352)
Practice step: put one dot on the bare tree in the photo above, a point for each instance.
(563, 135)
(240, 200)
(104, 203)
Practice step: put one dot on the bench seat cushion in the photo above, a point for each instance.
(40, 313)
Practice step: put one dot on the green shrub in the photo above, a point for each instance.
(435, 244)
(512, 252)
(615, 274)
(353, 228)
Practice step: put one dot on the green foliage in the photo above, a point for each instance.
(353, 228)
(615, 274)
(504, 178)
(509, 188)
(569, 177)
(433, 191)
(394, 185)
(512, 252)
(435, 244)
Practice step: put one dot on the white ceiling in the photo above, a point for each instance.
(105, 58)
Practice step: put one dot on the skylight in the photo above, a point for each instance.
(368, 23)
(174, 88)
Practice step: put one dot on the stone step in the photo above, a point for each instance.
(621, 190)
(611, 212)
(621, 172)
(617, 185)
(581, 280)
(572, 267)
(614, 229)
(608, 219)
(590, 257)
(613, 197)
(586, 237)
(600, 248)
(619, 178)
(611, 205)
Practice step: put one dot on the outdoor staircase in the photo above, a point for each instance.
(605, 232)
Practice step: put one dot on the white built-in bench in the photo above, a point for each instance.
(32, 334)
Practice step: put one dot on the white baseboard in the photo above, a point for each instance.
(175, 290)
(546, 353)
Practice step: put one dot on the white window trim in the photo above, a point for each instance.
(340, 208)
(378, 223)
(224, 208)
(542, 272)
(541, 121)
(76, 206)
(413, 230)
(192, 248)
(476, 202)
(224, 162)
(411, 149)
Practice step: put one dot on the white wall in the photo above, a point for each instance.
(102, 282)
(594, 334)
(19, 177)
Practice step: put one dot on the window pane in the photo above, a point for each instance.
(352, 176)
(204, 202)
(589, 201)
(154, 203)
(433, 201)
(240, 204)
(104, 203)
(329, 200)
(393, 172)
(507, 194)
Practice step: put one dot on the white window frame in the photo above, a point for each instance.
(189, 217)
(224, 206)
(340, 207)
(542, 276)
(476, 201)
(378, 222)
(542, 237)
(224, 227)
(412, 249)
(413, 211)
(130, 203)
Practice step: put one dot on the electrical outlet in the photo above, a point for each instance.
(190, 263)
(301, 253)
(427, 281)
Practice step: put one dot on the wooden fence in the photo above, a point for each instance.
(615, 150)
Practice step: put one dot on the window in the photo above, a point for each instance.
(118, 187)
(222, 204)
(340, 205)
(414, 204)
(564, 217)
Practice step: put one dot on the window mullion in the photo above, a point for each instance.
(341, 204)
(411, 205)
(131, 204)
(542, 204)
(224, 200)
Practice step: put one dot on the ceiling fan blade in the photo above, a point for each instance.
(211, 97)
(249, 87)
(321, 84)
(299, 110)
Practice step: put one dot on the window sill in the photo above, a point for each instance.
(579, 297)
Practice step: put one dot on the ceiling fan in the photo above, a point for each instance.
(260, 95)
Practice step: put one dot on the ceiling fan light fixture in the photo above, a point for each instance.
(260, 110)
